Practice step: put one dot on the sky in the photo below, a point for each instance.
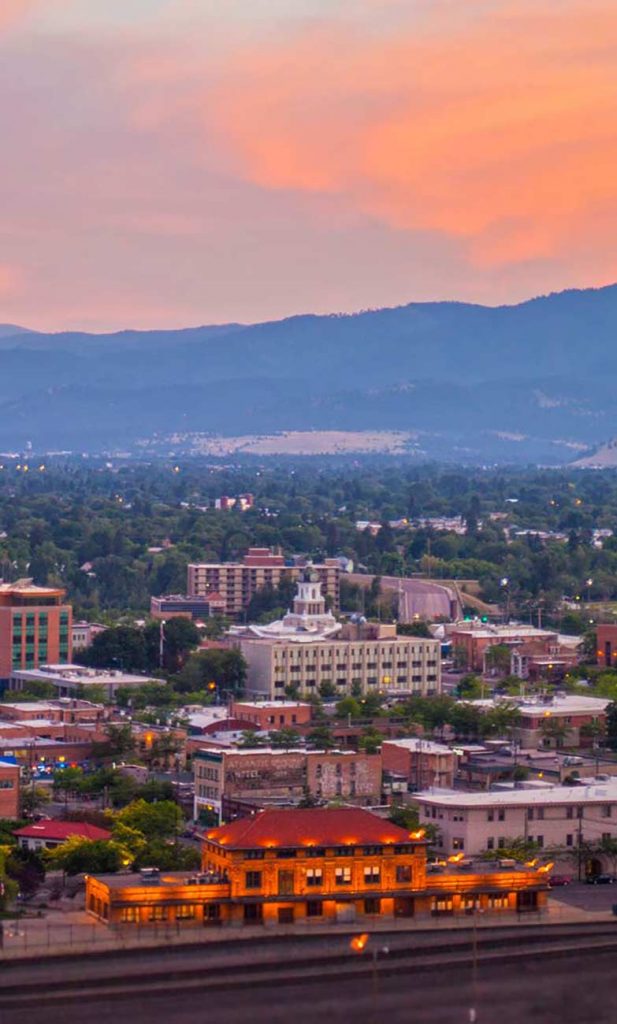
(168, 163)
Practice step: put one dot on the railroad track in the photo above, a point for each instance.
(236, 973)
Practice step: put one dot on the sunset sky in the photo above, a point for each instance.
(175, 162)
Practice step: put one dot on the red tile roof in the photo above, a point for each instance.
(344, 826)
(58, 831)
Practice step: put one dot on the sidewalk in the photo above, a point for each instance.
(64, 932)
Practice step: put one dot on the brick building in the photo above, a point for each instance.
(227, 780)
(302, 866)
(421, 763)
(236, 582)
(272, 714)
(35, 627)
(9, 790)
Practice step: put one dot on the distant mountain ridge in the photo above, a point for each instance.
(530, 382)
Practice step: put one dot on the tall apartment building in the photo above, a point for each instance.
(236, 582)
(35, 627)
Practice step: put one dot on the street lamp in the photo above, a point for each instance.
(358, 944)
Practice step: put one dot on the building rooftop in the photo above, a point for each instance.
(600, 793)
(344, 826)
(257, 704)
(64, 673)
(61, 830)
(419, 746)
(571, 704)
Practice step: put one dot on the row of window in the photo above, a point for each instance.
(315, 877)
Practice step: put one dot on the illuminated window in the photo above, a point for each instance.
(342, 876)
(185, 913)
(129, 914)
(372, 875)
(314, 876)
(157, 913)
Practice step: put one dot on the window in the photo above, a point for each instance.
(314, 908)
(569, 812)
(212, 912)
(490, 843)
(372, 906)
(501, 814)
(569, 839)
(344, 851)
(372, 875)
(157, 914)
(498, 902)
(342, 876)
(441, 905)
(284, 854)
(501, 842)
(315, 851)
(253, 880)
(254, 854)
(129, 914)
(372, 851)
(403, 873)
(458, 843)
(185, 913)
(540, 814)
(540, 841)
(606, 810)
(314, 876)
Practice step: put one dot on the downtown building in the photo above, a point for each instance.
(313, 866)
(234, 782)
(308, 649)
(236, 582)
(35, 627)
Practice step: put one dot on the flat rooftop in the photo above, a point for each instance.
(571, 704)
(419, 746)
(605, 792)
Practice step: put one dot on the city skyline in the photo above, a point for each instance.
(173, 162)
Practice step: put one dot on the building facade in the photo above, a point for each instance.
(236, 582)
(552, 817)
(181, 606)
(227, 779)
(399, 664)
(35, 627)
(421, 763)
(9, 790)
(312, 866)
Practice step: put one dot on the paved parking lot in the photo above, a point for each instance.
(587, 897)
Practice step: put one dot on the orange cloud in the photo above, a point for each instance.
(497, 130)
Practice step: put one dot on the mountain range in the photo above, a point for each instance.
(532, 382)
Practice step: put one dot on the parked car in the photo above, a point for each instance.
(601, 880)
(560, 880)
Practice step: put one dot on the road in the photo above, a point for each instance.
(574, 990)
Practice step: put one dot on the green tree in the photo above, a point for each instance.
(284, 738)
(470, 687)
(156, 821)
(77, 855)
(321, 738)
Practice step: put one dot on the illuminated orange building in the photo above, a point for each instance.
(35, 627)
(333, 865)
